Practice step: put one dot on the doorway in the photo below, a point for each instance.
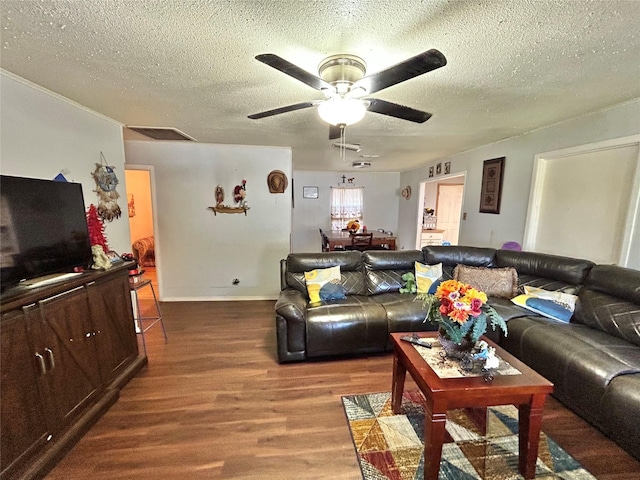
(448, 208)
(142, 219)
(444, 195)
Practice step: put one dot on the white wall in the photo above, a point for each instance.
(484, 229)
(563, 208)
(381, 198)
(43, 134)
(198, 253)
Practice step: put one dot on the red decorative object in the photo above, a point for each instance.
(96, 228)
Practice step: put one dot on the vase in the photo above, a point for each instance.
(453, 349)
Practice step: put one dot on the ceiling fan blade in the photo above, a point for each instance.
(410, 68)
(399, 111)
(293, 71)
(334, 132)
(278, 111)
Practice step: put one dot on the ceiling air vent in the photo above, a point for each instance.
(162, 133)
(361, 164)
(354, 147)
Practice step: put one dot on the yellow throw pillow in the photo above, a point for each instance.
(427, 277)
(324, 284)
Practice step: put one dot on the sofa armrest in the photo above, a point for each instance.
(290, 310)
(291, 304)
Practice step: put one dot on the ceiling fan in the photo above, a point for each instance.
(342, 80)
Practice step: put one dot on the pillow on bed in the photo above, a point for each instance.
(323, 284)
(555, 305)
(499, 282)
(428, 277)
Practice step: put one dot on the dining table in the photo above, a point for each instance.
(339, 239)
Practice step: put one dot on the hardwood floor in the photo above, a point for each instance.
(213, 403)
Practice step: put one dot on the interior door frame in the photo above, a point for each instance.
(632, 222)
(154, 206)
(440, 187)
(422, 190)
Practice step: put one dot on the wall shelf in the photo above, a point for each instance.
(226, 209)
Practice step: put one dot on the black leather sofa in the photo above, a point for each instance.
(593, 361)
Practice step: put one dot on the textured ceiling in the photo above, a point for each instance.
(513, 66)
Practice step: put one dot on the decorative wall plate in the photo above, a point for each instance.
(406, 192)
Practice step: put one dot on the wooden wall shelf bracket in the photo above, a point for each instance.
(225, 209)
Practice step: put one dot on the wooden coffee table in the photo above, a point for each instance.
(527, 391)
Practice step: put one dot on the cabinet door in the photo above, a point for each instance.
(112, 317)
(22, 418)
(431, 238)
(63, 335)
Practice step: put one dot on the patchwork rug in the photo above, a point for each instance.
(391, 447)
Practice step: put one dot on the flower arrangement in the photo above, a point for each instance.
(461, 311)
(353, 225)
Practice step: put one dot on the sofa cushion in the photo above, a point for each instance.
(579, 360)
(617, 281)
(350, 263)
(620, 409)
(356, 324)
(508, 310)
(610, 314)
(404, 313)
(499, 282)
(531, 265)
(384, 269)
(454, 254)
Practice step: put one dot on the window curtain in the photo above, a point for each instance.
(346, 204)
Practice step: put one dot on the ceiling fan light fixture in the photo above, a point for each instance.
(342, 110)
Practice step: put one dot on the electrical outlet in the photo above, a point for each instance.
(464, 216)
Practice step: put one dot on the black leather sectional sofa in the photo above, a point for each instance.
(593, 361)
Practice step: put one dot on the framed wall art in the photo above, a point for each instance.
(309, 192)
(491, 191)
(439, 169)
(447, 168)
(431, 170)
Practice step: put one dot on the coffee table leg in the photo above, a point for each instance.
(434, 430)
(529, 426)
(397, 384)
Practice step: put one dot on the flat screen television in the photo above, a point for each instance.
(43, 229)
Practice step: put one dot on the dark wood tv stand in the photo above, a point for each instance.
(66, 351)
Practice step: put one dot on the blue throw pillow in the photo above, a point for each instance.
(549, 308)
(331, 291)
(555, 305)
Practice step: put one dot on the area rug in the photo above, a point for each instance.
(391, 447)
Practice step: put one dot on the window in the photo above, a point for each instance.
(346, 204)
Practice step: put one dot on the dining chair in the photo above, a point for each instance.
(325, 241)
(361, 241)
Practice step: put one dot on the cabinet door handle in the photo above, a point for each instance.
(43, 366)
(52, 361)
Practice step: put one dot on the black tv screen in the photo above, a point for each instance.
(43, 228)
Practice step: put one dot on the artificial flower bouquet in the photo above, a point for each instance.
(461, 311)
(353, 226)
